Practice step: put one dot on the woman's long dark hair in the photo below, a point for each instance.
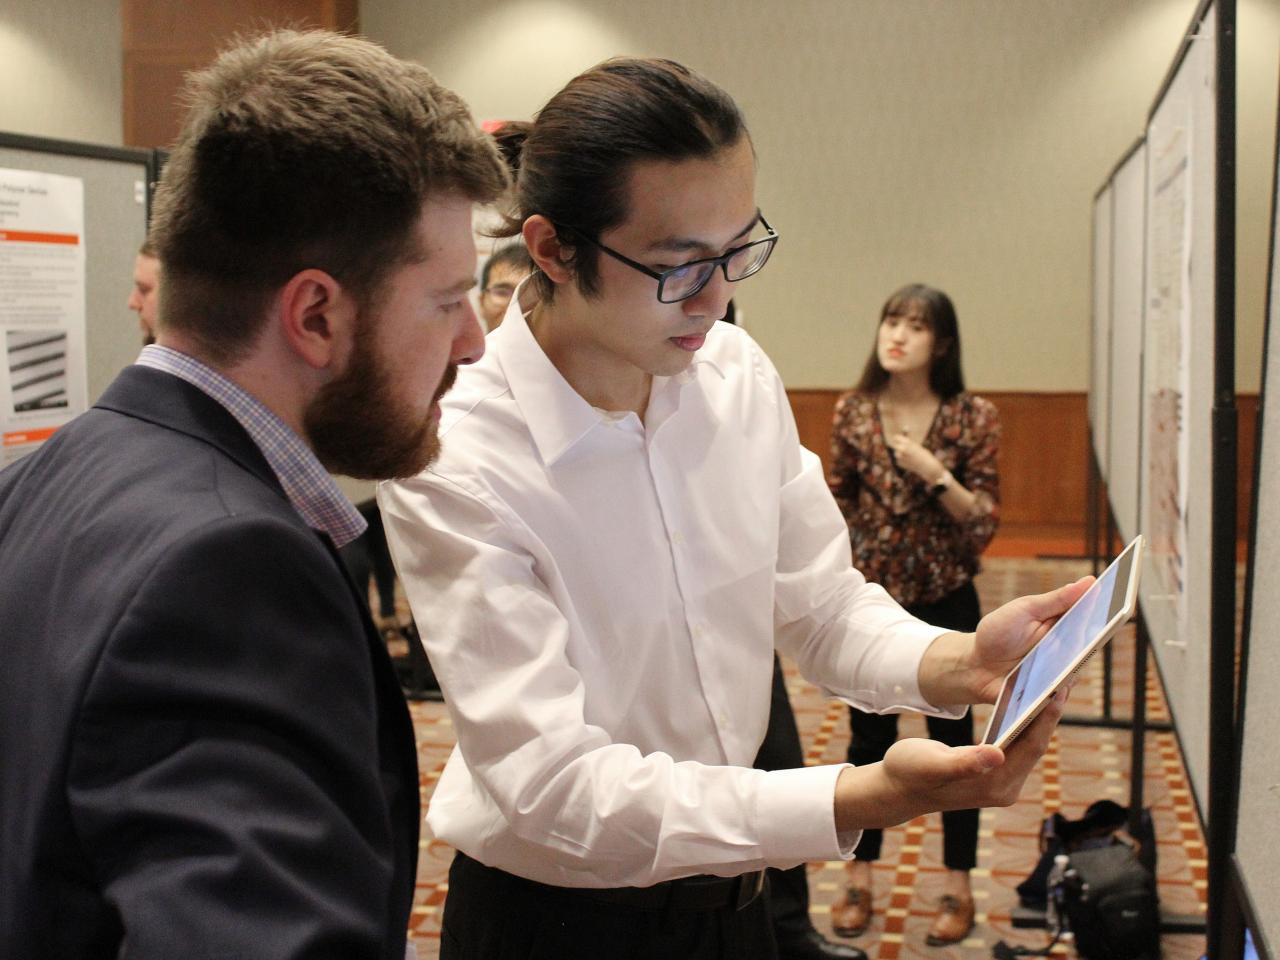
(937, 310)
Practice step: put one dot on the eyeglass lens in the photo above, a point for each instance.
(684, 282)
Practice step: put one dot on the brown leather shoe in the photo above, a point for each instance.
(851, 918)
(953, 923)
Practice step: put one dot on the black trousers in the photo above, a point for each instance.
(492, 915)
(873, 735)
(788, 890)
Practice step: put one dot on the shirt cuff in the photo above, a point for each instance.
(922, 637)
(910, 641)
(796, 811)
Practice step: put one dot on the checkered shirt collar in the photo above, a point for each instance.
(306, 483)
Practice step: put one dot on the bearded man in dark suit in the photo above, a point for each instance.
(203, 748)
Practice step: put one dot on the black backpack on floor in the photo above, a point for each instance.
(1110, 904)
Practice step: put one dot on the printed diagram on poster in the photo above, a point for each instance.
(1168, 370)
(43, 379)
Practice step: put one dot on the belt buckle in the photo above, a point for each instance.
(750, 886)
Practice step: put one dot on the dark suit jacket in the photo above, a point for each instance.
(203, 748)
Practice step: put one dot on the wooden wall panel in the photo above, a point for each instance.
(152, 111)
(163, 40)
(1042, 456)
(813, 410)
(1247, 438)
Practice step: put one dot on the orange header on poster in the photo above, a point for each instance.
(18, 437)
(34, 236)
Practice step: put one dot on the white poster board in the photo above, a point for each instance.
(1128, 232)
(43, 380)
(1259, 802)
(113, 214)
(1100, 365)
(1177, 392)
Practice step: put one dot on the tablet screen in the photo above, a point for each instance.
(1063, 645)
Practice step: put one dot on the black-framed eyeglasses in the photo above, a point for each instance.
(682, 282)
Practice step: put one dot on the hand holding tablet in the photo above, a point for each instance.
(1066, 647)
(922, 776)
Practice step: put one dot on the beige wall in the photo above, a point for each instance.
(958, 142)
(1258, 63)
(954, 141)
(60, 69)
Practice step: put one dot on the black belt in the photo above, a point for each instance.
(688, 893)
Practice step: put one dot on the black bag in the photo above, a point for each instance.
(1110, 904)
(1097, 828)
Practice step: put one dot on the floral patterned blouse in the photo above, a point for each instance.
(902, 537)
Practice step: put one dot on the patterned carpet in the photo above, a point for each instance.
(1084, 764)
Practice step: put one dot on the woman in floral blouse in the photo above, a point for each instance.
(914, 471)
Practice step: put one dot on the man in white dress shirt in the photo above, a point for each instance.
(621, 528)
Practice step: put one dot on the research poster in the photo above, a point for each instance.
(43, 379)
(1168, 369)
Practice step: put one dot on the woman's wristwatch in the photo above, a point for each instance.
(942, 484)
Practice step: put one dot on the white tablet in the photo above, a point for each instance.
(1071, 641)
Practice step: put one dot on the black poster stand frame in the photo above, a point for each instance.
(150, 159)
(1223, 925)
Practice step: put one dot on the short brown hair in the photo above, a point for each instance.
(304, 150)
(573, 160)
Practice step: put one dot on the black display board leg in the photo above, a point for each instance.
(1169, 922)
(1092, 496)
(1138, 741)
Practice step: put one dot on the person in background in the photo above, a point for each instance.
(788, 897)
(914, 473)
(145, 295)
(499, 278)
(620, 530)
(781, 749)
(203, 747)
(368, 557)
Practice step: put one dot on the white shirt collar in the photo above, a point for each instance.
(564, 417)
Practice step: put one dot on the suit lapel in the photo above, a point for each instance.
(168, 401)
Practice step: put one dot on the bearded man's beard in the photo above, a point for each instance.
(358, 427)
